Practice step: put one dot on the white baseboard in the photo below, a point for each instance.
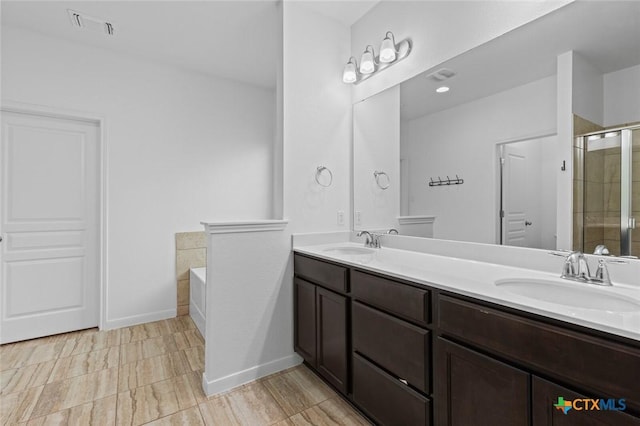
(140, 319)
(212, 387)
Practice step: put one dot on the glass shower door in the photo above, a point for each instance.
(610, 205)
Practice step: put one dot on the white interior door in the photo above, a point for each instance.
(514, 196)
(49, 222)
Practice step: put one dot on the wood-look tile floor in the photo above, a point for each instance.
(149, 374)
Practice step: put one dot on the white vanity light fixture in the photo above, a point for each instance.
(368, 61)
(350, 73)
(442, 89)
(388, 52)
(370, 64)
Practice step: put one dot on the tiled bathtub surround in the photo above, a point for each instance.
(149, 374)
(191, 252)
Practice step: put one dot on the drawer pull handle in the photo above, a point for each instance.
(483, 311)
(404, 381)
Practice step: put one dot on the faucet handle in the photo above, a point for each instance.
(392, 231)
(602, 273)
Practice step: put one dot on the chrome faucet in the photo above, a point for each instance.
(373, 240)
(601, 250)
(576, 268)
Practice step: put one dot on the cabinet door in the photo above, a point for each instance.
(545, 397)
(332, 337)
(473, 389)
(305, 320)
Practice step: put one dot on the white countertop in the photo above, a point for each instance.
(477, 279)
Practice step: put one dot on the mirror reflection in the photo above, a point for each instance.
(472, 147)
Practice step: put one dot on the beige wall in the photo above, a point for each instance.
(191, 252)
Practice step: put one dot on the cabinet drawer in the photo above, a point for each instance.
(385, 399)
(400, 299)
(397, 346)
(609, 368)
(319, 272)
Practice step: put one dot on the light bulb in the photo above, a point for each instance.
(442, 89)
(367, 64)
(350, 75)
(387, 50)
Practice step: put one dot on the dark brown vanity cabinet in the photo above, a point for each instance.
(544, 395)
(320, 326)
(391, 350)
(409, 354)
(305, 319)
(473, 389)
(482, 368)
(331, 333)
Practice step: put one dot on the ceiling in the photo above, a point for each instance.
(605, 34)
(229, 39)
(235, 39)
(346, 12)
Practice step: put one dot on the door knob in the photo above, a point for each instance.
(527, 223)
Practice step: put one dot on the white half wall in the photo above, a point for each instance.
(181, 147)
(249, 323)
(462, 140)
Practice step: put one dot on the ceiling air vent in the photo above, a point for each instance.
(85, 22)
(442, 74)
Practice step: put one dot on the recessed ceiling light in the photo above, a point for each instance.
(442, 89)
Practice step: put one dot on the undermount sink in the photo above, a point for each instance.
(349, 251)
(569, 294)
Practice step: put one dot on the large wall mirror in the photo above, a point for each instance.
(469, 151)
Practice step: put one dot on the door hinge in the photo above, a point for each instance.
(502, 161)
(501, 213)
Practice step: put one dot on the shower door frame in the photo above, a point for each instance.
(627, 221)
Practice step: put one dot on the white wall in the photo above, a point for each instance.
(376, 145)
(439, 30)
(249, 308)
(564, 151)
(588, 96)
(548, 190)
(621, 96)
(250, 330)
(317, 119)
(462, 140)
(182, 147)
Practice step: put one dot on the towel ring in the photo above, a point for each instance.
(319, 172)
(377, 175)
